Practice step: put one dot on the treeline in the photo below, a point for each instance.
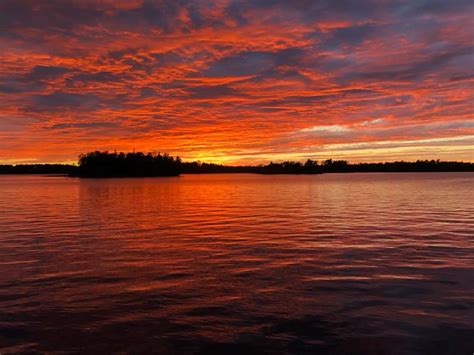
(292, 167)
(342, 166)
(287, 167)
(58, 169)
(105, 164)
(329, 166)
(211, 168)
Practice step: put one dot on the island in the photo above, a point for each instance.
(104, 164)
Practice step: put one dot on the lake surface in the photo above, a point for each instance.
(218, 264)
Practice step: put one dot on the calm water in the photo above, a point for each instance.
(336, 264)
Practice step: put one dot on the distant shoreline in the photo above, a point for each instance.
(73, 170)
(226, 173)
(99, 164)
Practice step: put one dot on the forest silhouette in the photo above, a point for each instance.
(105, 164)
(137, 164)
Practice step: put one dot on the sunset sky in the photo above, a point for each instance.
(237, 81)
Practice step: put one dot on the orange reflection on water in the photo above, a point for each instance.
(181, 263)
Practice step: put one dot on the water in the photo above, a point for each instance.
(336, 264)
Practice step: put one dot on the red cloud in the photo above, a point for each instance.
(235, 81)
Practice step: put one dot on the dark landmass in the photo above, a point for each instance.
(210, 168)
(288, 167)
(401, 166)
(56, 169)
(104, 164)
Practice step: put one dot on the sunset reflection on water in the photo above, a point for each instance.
(368, 263)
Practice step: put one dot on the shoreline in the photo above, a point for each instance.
(229, 173)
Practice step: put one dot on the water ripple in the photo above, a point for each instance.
(359, 263)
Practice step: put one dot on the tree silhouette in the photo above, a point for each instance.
(105, 164)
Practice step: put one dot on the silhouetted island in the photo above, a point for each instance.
(104, 164)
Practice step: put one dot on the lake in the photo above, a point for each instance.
(216, 264)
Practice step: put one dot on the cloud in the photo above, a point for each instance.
(234, 78)
(433, 7)
(88, 125)
(328, 129)
(351, 35)
(211, 92)
(46, 72)
(99, 77)
(372, 122)
(249, 63)
(242, 64)
(357, 131)
(59, 101)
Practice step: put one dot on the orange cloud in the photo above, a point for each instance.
(236, 81)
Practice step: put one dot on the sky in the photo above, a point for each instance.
(237, 82)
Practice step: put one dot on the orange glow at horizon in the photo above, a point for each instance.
(237, 82)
